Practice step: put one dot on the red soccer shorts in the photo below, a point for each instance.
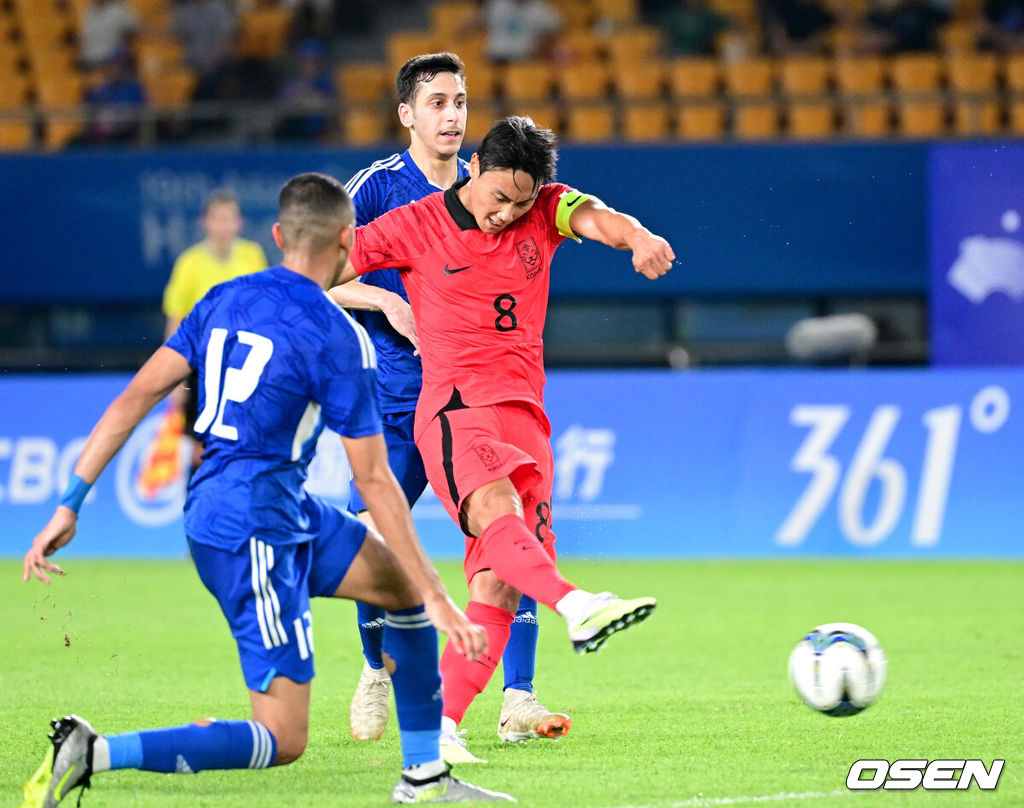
(464, 448)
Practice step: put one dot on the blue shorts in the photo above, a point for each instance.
(403, 457)
(264, 591)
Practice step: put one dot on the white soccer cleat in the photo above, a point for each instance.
(368, 713)
(444, 788)
(453, 748)
(523, 718)
(604, 615)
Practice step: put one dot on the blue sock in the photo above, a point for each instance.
(371, 630)
(521, 652)
(192, 748)
(411, 641)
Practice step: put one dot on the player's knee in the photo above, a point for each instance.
(290, 746)
(491, 502)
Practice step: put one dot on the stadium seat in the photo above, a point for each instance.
(578, 45)
(577, 15)
(14, 90)
(403, 45)
(52, 63)
(45, 33)
(363, 82)
(170, 90)
(916, 72)
(616, 13)
(582, 81)
(153, 13)
(59, 131)
(744, 12)
(973, 72)
(810, 119)
(755, 120)
(977, 116)
(642, 82)
(1013, 72)
(633, 46)
(482, 82)
(10, 59)
(480, 118)
(527, 81)
(363, 126)
(916, 118)
(15, 135)
(867, 118)
(860, 75)
(693, 78)
(959, 36)
(59, 92)
(973, 77)
(263, 32)
(589, 123)
(843, 40)
(645, 122)
(157, 54)
(749, 77)
(544, 113)
(700, 120)
(449, 19)
(804, 75)
(1016, 117)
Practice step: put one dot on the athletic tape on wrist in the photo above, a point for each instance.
(75, 493)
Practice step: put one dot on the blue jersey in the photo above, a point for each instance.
(384, 186)
(277, 360)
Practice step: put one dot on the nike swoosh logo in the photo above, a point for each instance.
(503, 723)
(570, 204)
(448, 271)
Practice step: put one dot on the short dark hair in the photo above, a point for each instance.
(311, 208)
(423, 68)
(518, 143)
(219, 196)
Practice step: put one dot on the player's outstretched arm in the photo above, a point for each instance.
(363, 296)
(161, 373)
(383, 496)
(652, 255)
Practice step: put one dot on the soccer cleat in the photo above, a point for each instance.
(444, 789)
(368, 713)
(453, 748)
(524, 718)
(608, 615)
(67, 765)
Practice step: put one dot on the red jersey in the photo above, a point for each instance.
(480, 300)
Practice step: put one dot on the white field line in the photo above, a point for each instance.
(713, 802)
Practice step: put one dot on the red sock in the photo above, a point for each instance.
(461, 679)
(517, 558)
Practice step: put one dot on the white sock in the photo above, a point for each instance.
(574, 605)
(447, 726)
(100, 755)
(425, 771)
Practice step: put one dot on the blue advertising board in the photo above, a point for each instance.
(744, 219)
(977, 254)
(910, 463)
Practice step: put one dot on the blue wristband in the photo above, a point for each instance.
(75, 493)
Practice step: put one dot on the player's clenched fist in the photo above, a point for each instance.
(652, 255)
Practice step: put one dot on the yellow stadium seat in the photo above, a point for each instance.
(579, 45)
(920, 118)
(1016, 116)
(152, 12)
(263, 32)
(749, 77)
(158, 54)
(843, 39)
(916, 72)
(403, 45)
(482, 82)
(620, 13)
(14, 90)
(755, 120)
(589, 123)
(977, 116)
(745, 12)
(577, 15)
(170, 90)
(701, 120)
(544, 113)
(869, 118)
(527, 81)
(52, 63)
(15, 135)
(811, 120)
(1013, 72)
(480, 118)
(363, 126)
(582, 81)
(59, 92)
(633, 46)
(646, 122)
(45, 33)
(58, 132)
(449, 19)
(804, 75)
(10, 59)
(363, 82)
(973, 72)
(860, 75)
(640, 82)
(959, 36)
(693, 78)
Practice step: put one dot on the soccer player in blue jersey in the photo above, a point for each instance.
(277, 360)
(432, 106)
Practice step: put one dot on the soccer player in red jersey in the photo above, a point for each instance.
(476, 260)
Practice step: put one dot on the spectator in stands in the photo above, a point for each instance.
(520, 29)
(207, 30)
(307, 95)
(107, 26)
(795, 25)
(1004, 21)
(691, 26)
(115, 102)
(910, 25)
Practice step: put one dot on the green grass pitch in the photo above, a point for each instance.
(691, 709)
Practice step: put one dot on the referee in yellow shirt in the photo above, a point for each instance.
(219, 257)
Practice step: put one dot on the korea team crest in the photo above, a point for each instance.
(487, 456)
(531, 257)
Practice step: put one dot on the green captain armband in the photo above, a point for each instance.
(567, 203)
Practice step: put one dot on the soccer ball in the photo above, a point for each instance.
(838, 668)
